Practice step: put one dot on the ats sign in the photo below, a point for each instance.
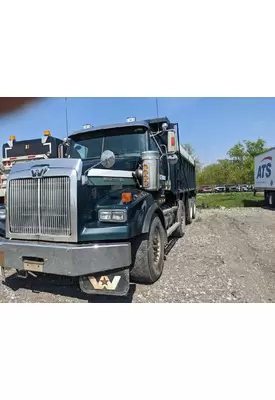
(264, 169)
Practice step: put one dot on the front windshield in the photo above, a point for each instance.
(120, 144)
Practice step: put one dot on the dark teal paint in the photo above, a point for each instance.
(92, 230)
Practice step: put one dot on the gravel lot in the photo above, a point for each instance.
(225, 256)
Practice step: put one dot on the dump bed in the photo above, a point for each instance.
(264, 170)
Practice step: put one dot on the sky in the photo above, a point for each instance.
(211, 125)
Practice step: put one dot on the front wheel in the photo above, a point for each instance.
(149, 255)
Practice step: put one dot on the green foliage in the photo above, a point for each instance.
(191, 151)
(238, 169)
(230, 200)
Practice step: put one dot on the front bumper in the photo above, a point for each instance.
(63, 259)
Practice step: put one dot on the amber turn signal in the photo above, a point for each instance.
(126, 197)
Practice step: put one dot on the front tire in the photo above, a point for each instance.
(149, 256)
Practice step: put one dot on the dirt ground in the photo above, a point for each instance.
(225, 256)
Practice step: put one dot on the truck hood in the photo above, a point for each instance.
(121, 163)
(93, 198)
(104, 173)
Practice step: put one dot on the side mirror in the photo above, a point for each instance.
(107, 159)
(172, 146)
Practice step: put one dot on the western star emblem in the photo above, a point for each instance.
(39, 172)
(104, 281)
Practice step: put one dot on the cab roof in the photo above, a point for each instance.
(152, 124)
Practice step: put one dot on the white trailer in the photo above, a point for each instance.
(264, 175)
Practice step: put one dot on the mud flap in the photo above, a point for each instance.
(109, 283)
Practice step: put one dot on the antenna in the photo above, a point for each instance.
(157, 107)
(66, 116)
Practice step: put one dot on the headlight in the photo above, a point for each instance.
(112, 215)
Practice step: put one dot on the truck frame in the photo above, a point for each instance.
(105, 212)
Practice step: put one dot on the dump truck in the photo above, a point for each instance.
(264, 175)
(14, 152)
(105, 212)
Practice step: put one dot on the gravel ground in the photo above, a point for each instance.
(225, 256)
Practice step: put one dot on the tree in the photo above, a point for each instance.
(238, 169)
(242, 156)
(191, 151)
(218, 173)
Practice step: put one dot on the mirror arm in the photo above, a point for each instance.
(87, 170)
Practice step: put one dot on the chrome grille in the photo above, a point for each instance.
(40, 206)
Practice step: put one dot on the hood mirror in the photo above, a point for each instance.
(107, 159)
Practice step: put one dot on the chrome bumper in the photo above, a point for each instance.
(63, 259)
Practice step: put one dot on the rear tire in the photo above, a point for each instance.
(194, 207)
(149, 256)
(271, 199)
(189, 211)
(266, 198)
(181, 217)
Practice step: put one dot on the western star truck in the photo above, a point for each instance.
(264, 172)
(105, 212)
(15, 152)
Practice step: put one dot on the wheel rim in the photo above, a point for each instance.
(156, 247)
(190, 211)
(194, 211)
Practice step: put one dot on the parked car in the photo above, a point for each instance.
(219, 189)
(231, 188)
(205, 189)
(242, 188)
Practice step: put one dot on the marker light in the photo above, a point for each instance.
(173, 141)
(131, 119)
(126, 197)
(87, 126)
(145, 175)
(47, 133)
(12, 137)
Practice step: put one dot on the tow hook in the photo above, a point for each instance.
(24, 274)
